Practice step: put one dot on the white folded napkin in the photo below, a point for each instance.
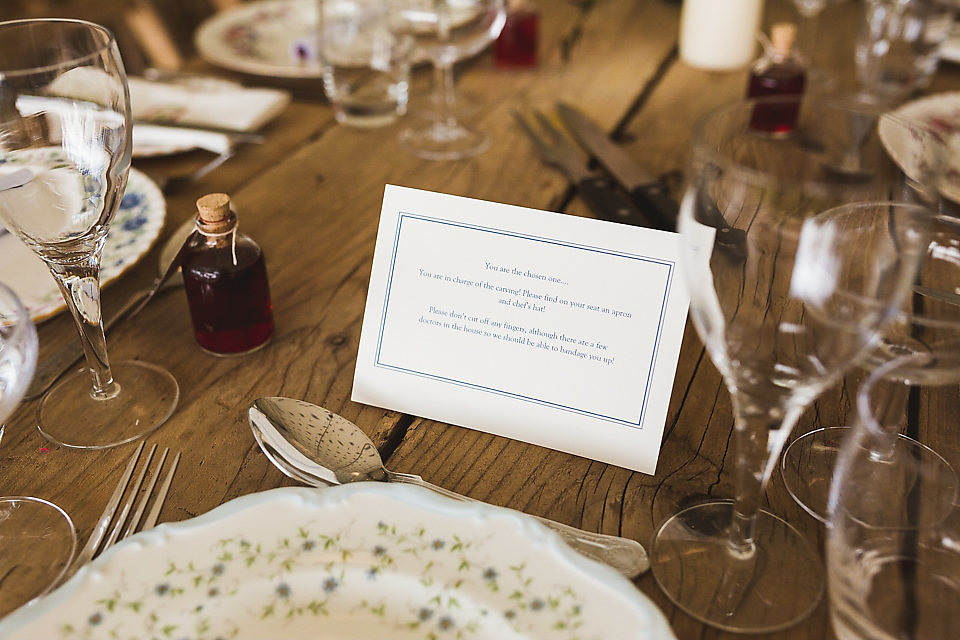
(219, 106)
(150, 140)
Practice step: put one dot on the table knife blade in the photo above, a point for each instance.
(648, 192)
(602, 197)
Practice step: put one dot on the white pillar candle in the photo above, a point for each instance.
(719, 35)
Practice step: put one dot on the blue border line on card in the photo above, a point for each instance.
(670, 265)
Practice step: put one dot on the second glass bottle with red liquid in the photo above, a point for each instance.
(780, 72)
(225, 278)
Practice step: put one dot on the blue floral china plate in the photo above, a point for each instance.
(134, 229)
(359, 561)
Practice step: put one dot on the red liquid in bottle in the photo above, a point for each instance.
(775, 116)
(780, 72)
(229, 303)
(516, 47)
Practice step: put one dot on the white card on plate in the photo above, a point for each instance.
(547, 328)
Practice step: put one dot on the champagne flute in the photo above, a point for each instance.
(445, 31)
(37, 538)
(64, 159)
(786, 293)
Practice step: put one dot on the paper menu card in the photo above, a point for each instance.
(543, 327)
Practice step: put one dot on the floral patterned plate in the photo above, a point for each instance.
(134, 229)
(359, 561)
(941, 111)
(267, 37)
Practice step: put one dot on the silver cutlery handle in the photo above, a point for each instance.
(625, 555)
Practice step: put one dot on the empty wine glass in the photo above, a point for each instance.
(928, 326)
(64, 159)
(893, 544)
(444, 32)
(786, 293)
(37, 538)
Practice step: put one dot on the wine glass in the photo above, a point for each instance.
(928, 327)
(818, 79)
(893, 544)
(786, 293)
(64, 159)
(37, 538)
(446, 31)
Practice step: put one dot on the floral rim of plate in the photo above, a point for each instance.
(240, 38)
(351, 561)
(941, 112)
(133, 231)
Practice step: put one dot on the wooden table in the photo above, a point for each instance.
(311, 196)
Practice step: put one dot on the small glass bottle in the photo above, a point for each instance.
(225, 278)
(780, 72)
(516, 46)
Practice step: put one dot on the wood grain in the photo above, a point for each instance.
(311, 194)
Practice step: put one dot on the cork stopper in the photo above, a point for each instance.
(214, 215)
(782, 36)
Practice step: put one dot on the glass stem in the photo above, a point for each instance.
(890, 414)
(807, 40)
(79, 284)
(446, 99)
(759, 437)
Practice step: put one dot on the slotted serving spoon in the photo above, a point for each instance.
(320, 448)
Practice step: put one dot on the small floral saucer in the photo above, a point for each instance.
(359, 561)
(134, 229)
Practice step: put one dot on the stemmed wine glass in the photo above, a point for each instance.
(928, 328)
(893, 544)
(786, 293)
(444, 32)
(37, 538)
(64, 159)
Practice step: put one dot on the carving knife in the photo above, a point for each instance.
(603, 198)
(647, 192)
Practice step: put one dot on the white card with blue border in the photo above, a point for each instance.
(548, 328)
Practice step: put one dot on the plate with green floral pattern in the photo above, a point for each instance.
(359, 561)
(134, 229)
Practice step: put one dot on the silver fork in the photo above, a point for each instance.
(136, 501)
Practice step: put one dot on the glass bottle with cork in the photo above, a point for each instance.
(516, 46)
(779, 72)
(225, 278)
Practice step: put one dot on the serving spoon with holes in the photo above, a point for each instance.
(320, 448)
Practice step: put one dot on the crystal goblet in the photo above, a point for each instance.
(37, 538)
(787, 293)
(65, 143)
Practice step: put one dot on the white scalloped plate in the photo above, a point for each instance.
(134, 229)
(361, 561)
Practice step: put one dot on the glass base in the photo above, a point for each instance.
(37, 543)
(71, 417)
(443, 142)
(428, 106)
(807, 466)
(773, 588)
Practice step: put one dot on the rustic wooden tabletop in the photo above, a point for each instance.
(310, 195)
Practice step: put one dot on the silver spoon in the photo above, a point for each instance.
(320, 448)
